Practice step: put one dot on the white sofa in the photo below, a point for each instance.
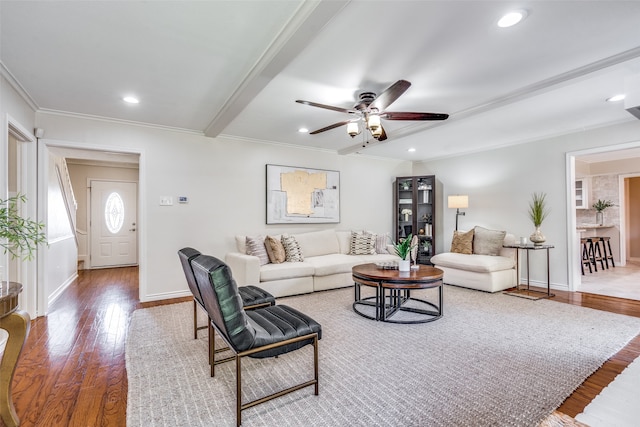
(490, 273)
(327, 265)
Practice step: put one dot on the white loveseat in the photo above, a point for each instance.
(327, 265)
(490, 273)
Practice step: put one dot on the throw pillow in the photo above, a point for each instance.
(255, 247)
(381, 243)
(362, 244)
(462, 242)
(292, 250)
(275, 250)
(487, 242)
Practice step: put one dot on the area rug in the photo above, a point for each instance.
(491, 360)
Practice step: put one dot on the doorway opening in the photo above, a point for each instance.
(85, 166)
(605, 174)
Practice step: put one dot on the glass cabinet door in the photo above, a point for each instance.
(414, 212)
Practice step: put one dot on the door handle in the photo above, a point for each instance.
(132, 229)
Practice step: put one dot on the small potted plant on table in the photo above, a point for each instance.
(403, 249)
(600, 207)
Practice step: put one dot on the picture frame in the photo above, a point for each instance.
(299, 195)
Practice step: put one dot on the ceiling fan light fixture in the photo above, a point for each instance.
(512, 18)
(373, 123)
(353, 129)
(377, 132)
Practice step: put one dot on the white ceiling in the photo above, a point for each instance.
(235, 68)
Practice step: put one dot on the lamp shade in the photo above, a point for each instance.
(458, 202)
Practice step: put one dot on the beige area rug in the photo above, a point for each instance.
(491, 360)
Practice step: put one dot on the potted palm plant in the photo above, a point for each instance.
(403, 249)
(538, 211)
(19, 236)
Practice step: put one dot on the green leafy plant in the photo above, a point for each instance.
(538, 208)
(601, 205)
(403, 249)
(19, 236)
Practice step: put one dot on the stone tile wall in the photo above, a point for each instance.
(603, 187)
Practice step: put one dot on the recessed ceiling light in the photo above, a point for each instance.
(303, 130)
(411, 150)
(131, 99)
(615, 98)
(512, 18)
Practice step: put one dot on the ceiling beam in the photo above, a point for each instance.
(306, 23)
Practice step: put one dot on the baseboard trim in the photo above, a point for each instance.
(56, 294)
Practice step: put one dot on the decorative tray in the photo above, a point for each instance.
(387, 265)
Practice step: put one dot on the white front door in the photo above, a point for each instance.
(113, 224)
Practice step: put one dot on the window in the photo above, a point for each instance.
(114, 212)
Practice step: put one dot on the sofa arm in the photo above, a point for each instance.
(245, 268)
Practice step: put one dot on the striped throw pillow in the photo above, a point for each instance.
(292, 250)
(362, 244)
(255, 247)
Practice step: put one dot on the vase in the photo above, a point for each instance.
(406, 217)
(599, 218)
(537, 238)
(404, 265)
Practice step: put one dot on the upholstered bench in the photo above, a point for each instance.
(479, 261)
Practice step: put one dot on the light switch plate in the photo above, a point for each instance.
(166, 201)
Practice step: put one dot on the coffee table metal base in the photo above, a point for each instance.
(396, 301)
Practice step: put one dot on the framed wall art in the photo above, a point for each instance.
(297, 195)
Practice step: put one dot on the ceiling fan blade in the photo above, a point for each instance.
(326, 107)
(333, 126)
(413, 116)
(390, 94)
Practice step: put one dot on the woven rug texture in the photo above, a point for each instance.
(491, 360)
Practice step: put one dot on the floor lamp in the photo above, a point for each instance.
(458, 202)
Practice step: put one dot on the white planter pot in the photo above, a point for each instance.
(404, 265)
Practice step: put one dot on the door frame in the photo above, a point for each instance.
(573, 244)
(44, 145)
(89, 228)
(28, 270)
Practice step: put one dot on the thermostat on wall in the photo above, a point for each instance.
(183, 199)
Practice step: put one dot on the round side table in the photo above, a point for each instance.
(16, 323)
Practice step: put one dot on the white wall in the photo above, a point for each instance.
(500, 183)
(14, 109)
(225, 183)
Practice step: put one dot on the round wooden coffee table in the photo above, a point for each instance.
(398, 285)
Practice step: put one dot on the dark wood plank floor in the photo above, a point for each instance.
(72, 370)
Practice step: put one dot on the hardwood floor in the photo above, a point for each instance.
(72, 370)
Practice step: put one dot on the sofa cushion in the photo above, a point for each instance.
(362, 243)
(291, 249)
(477, 263)
(318, 243)
(275, 250)
(344, 240)
(487, 242)
(327, 265)
(285, 270)
(255, 247)
(462, 242)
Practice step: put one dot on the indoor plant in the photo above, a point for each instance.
(538, 212)
(19, 236)
(600, 206)
(403, 249)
